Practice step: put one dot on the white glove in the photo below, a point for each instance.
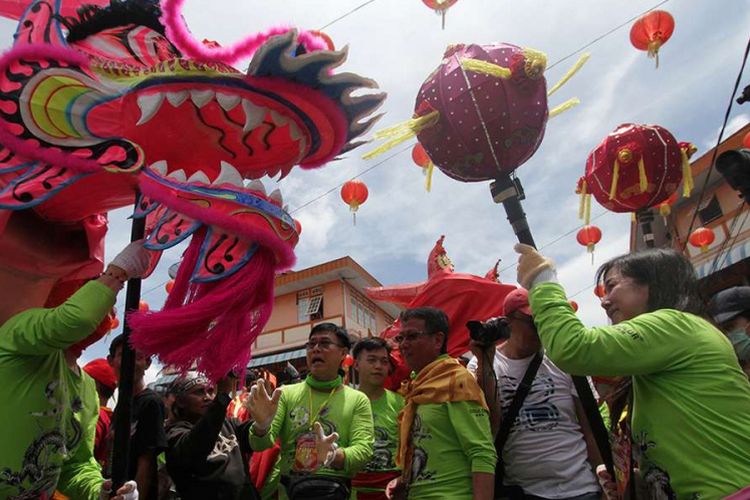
(262, 406)
(128, 491)
(134, 259)
(326, 445)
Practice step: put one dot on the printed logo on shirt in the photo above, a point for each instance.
(419, 470)
(224, 446)
(537, 414)
(628, 331)
(656, 479)
(382, 457)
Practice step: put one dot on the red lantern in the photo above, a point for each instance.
(354, 193)
(589, 236)
(600, 291)
(114, 324)
(702, 238)
(298, 226)
(169, 285)
(348, 361)
(420, 157)
(143, 306)
(746, 141)
(574, 305)
(651, 31)
(635, 167)
(440, 7)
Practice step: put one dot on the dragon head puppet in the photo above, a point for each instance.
(103, 102)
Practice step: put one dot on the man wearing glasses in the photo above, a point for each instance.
(446, 448)
(325, 427)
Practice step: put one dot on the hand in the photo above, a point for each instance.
(396, 489)
(262, 406)
(134, 259)
(128, 491)
(480, 349)
(530, 264)
(227, 384)
(326, 445)
(607, 483)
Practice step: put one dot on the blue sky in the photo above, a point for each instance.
(399, 42)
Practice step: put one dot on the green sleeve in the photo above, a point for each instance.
(260, 443)
(472, 425)
(44, 331)
(362, 437)
(646, 344)
(80, 475)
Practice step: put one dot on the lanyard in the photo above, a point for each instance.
(313, 418)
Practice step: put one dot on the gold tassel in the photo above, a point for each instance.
(572, 71)
(485, 68)
(687, 175)
(582, 202)
(665, 210)
(428, 181)
(402, 132)
(615, 179)
(570, 103)
(587, 214)
(653, 51)
(642, 179)
(633, 217)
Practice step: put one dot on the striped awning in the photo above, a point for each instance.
(735, 254)
(276, 358)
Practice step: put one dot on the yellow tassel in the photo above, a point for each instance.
(402, 133)
(687, 175)
(642, 179)
(485, 68)
(572, 71)
(582, 202)
(665, 209)
(570, 103)
(428, 181)
(653, 51)
(587, 214)
(615, 179)
(633, 217)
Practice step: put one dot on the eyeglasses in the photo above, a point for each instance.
(408, 337)
(324, 345)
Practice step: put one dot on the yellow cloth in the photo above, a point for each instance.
(442, 381)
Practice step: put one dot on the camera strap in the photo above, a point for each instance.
(509, 417)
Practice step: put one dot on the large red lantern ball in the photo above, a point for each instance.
(143, 306)
(354, 193)
(702, 238)
(589, 236)
(169, 286)
(651, 31)
(485, 124)
(634, 167)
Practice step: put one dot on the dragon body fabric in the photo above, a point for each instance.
(98, 103)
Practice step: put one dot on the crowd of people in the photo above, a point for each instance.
(667, 372)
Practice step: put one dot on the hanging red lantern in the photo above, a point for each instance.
(354, 193)
(440, 7)
(746, 141)
(348, 361)
(665, 207)
(169, 285)
(143, 306)
(635, 167)
(702, 238)
(114, 324)
(574, 305)
(298, 226)
(600, 291)
(589, 236)
(651, 31)
(422, 159)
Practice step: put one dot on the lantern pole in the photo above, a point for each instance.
(645, 217)
(120, 451)
(509, 192)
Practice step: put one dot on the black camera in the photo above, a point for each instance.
(490, 331)
(734, 165)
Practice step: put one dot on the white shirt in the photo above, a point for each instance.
(545, 453)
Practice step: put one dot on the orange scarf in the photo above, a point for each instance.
(444, 380)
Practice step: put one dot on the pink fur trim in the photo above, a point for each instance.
(178, 33)
(284, 253)
(27, 148)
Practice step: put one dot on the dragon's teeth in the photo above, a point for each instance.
(278, 119)
(149, 105)
(201, 97)
(177, 98)
(294, 131)
(228, 175)
(199, 176)
(228, 101)
(178, 175)
(254, 115)
(160, 167)
(276, 196)
(257, 185)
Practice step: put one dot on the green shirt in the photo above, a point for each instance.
(691, 401)
(451, 441)
(48, 421)
(347, 412)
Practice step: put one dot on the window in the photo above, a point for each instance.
(710, 211)
(309, 308)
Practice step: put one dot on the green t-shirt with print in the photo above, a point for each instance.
(48, 421)
(451, 441)
(691, 401)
